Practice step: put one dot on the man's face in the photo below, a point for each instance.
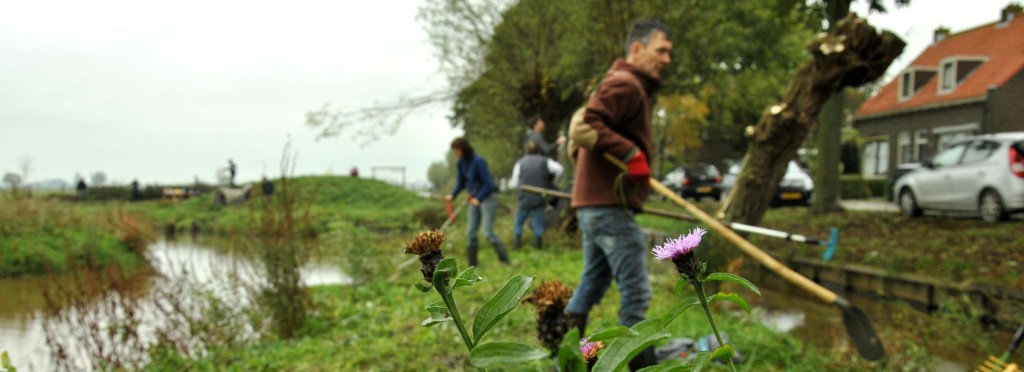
(653, 57)
(538, 126)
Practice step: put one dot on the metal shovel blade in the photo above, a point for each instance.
(858, 325)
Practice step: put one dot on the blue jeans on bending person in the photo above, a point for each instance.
(536, 216)
(613, 248)
(484, 214)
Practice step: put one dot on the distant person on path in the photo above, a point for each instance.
(354, 172)
(475, 178)
(268, 187)
(82, 188)
(537, 170)
(135, 195)
(232, 169)
(617, 122)
(536, 136)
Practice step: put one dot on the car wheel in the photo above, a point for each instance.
(908, 204)
(991, 207)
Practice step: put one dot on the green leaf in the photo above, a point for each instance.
(678, 309)
(501, 304)
(493, 354)
(5, 362)
(700, 360)
(444, 270)
(613, 332)
(681, 284)
(438, 314)
(731, 297)
(620, 350)
(733, 278)
(569, 357)
(724, 353)
(467, 277)
(423, 287)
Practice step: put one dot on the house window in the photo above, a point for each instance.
(876, 158)
(921, 144)
(948, 77)
(906, 86)
(905, 148)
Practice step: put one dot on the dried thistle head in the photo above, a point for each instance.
(427, 244)
(550, 299)
(549, 295)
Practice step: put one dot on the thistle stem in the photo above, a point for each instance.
(453, 310)
(698, 285)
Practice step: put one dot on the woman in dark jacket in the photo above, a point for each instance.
(475, 178)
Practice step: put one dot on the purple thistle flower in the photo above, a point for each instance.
(675, 248)
(590, 349)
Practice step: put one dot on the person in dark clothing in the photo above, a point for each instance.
(536, 136)
(82, 188)
(232, 169)
(135, 195)
(475, 178)
(537, 170)
(617, 121)
(268, 187)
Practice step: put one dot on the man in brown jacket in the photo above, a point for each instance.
(618, 122)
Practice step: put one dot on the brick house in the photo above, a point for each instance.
(971, 82)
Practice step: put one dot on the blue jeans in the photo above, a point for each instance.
(537, 215)
(484, 213)
(613, 248)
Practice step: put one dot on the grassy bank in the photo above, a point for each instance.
(374, 324)
(41, 236)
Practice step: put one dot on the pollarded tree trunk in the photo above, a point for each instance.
(850, 54)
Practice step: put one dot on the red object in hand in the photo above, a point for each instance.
(448, 207)
(639, 171)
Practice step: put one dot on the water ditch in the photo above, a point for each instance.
(23, 304)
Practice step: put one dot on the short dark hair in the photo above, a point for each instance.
(532, 148)
(643, 30)
(463, 145)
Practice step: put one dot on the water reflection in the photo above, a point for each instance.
(22, 301)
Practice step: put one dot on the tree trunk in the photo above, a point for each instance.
(850, 54)
(826, 172)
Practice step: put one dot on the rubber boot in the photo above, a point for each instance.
(472, 250)
(645, 359)
(580, 322)
(502, 253)
(517, 241)
(538, 242)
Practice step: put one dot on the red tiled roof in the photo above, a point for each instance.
(1002, 45)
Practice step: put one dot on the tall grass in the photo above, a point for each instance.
(40, 236)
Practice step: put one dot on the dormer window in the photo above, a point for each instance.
(955, 69)
(912, 80)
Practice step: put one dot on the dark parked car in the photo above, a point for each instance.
(983, 173)
(695, 181)
(795, 188)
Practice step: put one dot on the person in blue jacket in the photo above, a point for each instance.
(475, 178)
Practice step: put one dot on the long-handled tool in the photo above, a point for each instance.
(830, 244)
(857, 323)
(1001, 364)
(444, 226)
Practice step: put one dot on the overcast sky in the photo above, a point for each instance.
(168, 90)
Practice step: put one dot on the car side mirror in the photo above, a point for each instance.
(928, 164)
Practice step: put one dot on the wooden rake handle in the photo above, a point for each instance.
(717, 226)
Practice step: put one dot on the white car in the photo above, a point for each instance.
(795, 188)
(983, 173)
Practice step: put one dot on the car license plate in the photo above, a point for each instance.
(791, 195)
(704, 189)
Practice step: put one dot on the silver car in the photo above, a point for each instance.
(983, 174)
